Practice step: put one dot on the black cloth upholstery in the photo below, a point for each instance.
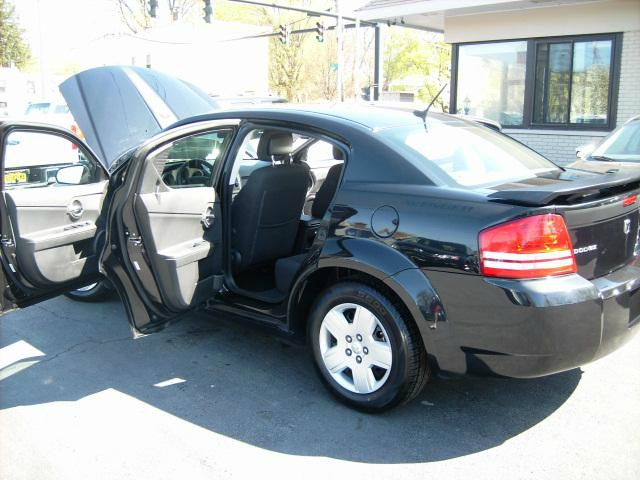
(266, 213)
(326, 191)
(286, 269)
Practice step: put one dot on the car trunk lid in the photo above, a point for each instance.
(600, 210)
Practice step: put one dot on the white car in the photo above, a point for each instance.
(619, 149)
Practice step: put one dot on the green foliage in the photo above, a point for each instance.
(241, 13)
(420, 57)
(294, 67)
(403, 55)
(13, 48)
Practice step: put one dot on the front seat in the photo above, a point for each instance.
(265, 214)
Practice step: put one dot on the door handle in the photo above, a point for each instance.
(208, 217)
(75, 210)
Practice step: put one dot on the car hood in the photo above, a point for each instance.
(118, 107)
(603, 167)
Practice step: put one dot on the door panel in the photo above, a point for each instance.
(51, 206)
(171, 224)
(52, 245)
(165, 255)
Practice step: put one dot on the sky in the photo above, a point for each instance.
(56, 28)
(70, 35)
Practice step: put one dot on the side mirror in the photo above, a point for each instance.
(583, 151)
(72, 175)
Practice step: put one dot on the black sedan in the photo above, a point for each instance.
(429, 241)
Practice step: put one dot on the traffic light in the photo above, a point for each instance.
(320, 31)
(208, 11)
(283, 34)
(153, 8)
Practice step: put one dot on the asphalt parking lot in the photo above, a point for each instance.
(208, 398)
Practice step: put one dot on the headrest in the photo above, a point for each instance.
(273, 142)
(281, 144)
(337, 153)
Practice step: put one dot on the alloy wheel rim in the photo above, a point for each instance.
(355, 348)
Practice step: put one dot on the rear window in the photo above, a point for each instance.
(460, 153)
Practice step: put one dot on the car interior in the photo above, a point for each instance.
(280, 187)
(282, 183)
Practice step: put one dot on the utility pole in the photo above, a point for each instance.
(378, 64)
(42, 56)
(340, 55)
(356, 65)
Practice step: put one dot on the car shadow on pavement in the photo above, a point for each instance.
(252, 387)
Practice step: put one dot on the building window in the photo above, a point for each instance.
(491, 81)
(563, 82)
(572, 82)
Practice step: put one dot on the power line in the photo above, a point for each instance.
(309, 12)
(293, 32)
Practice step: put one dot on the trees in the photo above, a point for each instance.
(13, 48)
(135, 16)
(305, 70)
(415, 60)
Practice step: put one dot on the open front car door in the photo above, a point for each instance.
(165, 236)
(51, 213)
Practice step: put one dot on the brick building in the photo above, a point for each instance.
(556, 74)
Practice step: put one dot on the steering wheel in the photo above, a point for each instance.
(191, 168)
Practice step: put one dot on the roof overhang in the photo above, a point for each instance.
(431, 14)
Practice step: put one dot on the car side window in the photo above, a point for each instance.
(36, 159)
(321, 154)
(191, 161)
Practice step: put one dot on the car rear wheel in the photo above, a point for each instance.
(367, 354)
(94, 292)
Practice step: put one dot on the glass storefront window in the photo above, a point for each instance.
(569, 82)
(572, 82)
(590, 82)
(491, 81)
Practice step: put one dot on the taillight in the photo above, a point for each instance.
(531, 247)
(76, 130)
(630, 200)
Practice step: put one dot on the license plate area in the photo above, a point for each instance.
(16, 177)
(629, 302)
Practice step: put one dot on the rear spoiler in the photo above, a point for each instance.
(566, 191)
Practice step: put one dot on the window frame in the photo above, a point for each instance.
(530, 83)
(150, 156)
(100, 171)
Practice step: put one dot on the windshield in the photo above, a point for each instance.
(623, 144)
(460, 153)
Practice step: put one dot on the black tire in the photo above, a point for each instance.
(101, 291)
(409, 370)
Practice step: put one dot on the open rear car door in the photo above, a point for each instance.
(51, 213)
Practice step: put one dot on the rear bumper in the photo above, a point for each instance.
(531, 328)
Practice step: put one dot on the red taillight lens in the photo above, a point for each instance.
(630, 200)
(531, 247)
